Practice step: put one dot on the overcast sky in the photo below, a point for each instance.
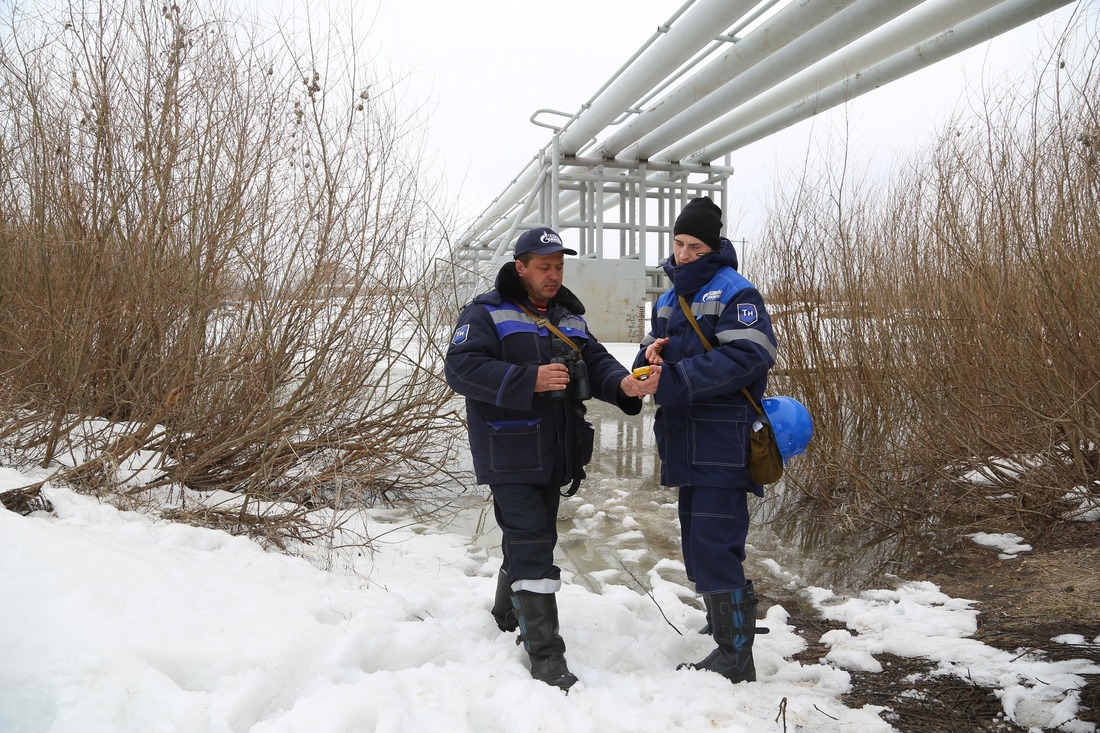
(480, 69)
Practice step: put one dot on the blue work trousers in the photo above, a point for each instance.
(713, 526)
(527, 515)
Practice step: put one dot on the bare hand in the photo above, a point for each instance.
(552, 377)
(632, 387)
(653, 351)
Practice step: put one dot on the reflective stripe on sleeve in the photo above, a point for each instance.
(747, 334)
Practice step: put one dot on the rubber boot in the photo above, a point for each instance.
(733, 617)
(503, 612)
(538, 627)
(707, 630)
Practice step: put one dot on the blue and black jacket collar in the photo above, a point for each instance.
(690, 277)
(510, 287)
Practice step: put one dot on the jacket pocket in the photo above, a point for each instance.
(586, 441)
(718, 434)
(515, 445)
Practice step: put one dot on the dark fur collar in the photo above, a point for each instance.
(511, 288)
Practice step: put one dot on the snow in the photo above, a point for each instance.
(119, 621)
(1009, 544)
(1088, 508)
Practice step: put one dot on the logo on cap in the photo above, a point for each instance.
(541, 240)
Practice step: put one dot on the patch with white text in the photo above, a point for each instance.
(712, 296)
(461, 334)
(746, 313)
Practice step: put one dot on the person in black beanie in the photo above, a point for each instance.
(702, 219)
(528, 436)
(703, 421)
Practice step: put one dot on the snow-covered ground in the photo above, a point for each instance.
(116, 621)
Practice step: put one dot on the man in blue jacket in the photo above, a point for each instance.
(523, 358)
(703, 420)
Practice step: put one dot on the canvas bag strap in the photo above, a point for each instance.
(699, 332)
(540, 321)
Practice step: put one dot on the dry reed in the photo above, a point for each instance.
(220, 242)
(943, 329)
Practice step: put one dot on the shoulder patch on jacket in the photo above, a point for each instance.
(461, 334)
(746, 313)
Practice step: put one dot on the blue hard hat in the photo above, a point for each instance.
(791, 423)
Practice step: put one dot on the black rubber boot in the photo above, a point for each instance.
(503, 612)
(733, 617)
(538, 627)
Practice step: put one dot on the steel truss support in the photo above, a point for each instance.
(718, 75)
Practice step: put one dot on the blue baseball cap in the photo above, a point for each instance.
(540, 241)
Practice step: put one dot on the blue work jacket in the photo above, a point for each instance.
(516, 435)
(703, 419)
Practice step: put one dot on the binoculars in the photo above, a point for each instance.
(578, 371)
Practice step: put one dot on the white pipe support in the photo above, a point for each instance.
(704, 168)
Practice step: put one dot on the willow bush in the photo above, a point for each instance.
(218, 241)
(942, 328)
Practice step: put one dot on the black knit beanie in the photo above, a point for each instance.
(702, 219)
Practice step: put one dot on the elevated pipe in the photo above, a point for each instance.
(864, 65)
(627, 80)
(911, 29)
(834, 33)
(647, 68)
(501, 205)
(979, 29)
(701, 24)
(719, 42)
(522, 183)
(783, 28)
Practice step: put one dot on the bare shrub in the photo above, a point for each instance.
(942, 328)
(220, 240)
